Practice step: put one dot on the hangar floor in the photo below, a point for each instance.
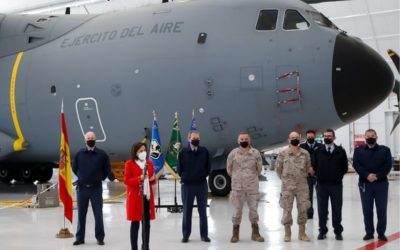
(35, 228)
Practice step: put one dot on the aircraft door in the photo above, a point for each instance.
(89, 119)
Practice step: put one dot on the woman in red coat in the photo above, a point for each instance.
(139, 194)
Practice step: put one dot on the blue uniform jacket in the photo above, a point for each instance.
(194, 167)
(91, 167)
(376, 160)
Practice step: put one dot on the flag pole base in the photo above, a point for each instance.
(64, 233)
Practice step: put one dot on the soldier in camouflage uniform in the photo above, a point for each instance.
(292, 166)
(244, 165)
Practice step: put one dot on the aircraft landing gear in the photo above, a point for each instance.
(28, 173)
(219, 182)
(6, 174)
(44, 173)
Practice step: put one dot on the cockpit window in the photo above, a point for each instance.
(294, 21)
(267, 20)
(322, 20)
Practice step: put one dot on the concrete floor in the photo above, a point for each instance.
(35, 228)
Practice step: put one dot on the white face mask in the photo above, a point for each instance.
(142, 156)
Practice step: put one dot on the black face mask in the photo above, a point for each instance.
(370, 141)
(311, 140)
(195, 142)
(244, 144)
(295, 142)
(91, 143)
(328, 140)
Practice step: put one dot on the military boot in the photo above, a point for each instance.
(288, 233)
(302, 233)
(255, 234)
(235, 234)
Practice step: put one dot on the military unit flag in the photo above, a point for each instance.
(193, 126)
(156, 155)
(174, 147)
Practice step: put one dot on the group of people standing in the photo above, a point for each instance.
(300, 167)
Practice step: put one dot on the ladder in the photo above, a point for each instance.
(289, 95)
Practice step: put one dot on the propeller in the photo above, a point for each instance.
(396, 89)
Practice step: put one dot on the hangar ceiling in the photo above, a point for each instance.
(376, 22)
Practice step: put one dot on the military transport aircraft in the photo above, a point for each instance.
(265, 67)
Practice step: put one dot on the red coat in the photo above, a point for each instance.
(134, 197)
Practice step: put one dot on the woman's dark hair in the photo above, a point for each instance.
(135, 148)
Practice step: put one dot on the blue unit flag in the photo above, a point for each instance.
(156, 155)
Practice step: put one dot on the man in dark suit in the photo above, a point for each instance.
(193, 167)
(311, 145)
(373, 163)
(330, 165)
(91, 165)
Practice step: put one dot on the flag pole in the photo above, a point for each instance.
(144, 222)
(177, 124)
(158, 174)
(159, 198)
(64, 232)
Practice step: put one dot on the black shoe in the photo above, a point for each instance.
(339, 237)
(100, 242)
(368, 237)
(79, 242)
(321, 236)
(185, 240)
(382, 237)
(206, 239)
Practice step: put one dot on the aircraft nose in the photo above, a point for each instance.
(361, 79)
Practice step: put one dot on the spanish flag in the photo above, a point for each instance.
(65, 170)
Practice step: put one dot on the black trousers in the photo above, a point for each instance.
(189, 192)
(145, 229)
(311, 180)
(334, 192)
(375, 192)
(94, 195)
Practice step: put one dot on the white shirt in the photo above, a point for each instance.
(329, 148)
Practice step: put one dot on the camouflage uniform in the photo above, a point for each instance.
(292, 170)
(244, 169)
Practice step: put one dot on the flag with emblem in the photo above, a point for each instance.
(156, 155)
(174, 147)
(65, 170)
(193, 126)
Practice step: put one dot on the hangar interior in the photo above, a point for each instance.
(377, 23)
